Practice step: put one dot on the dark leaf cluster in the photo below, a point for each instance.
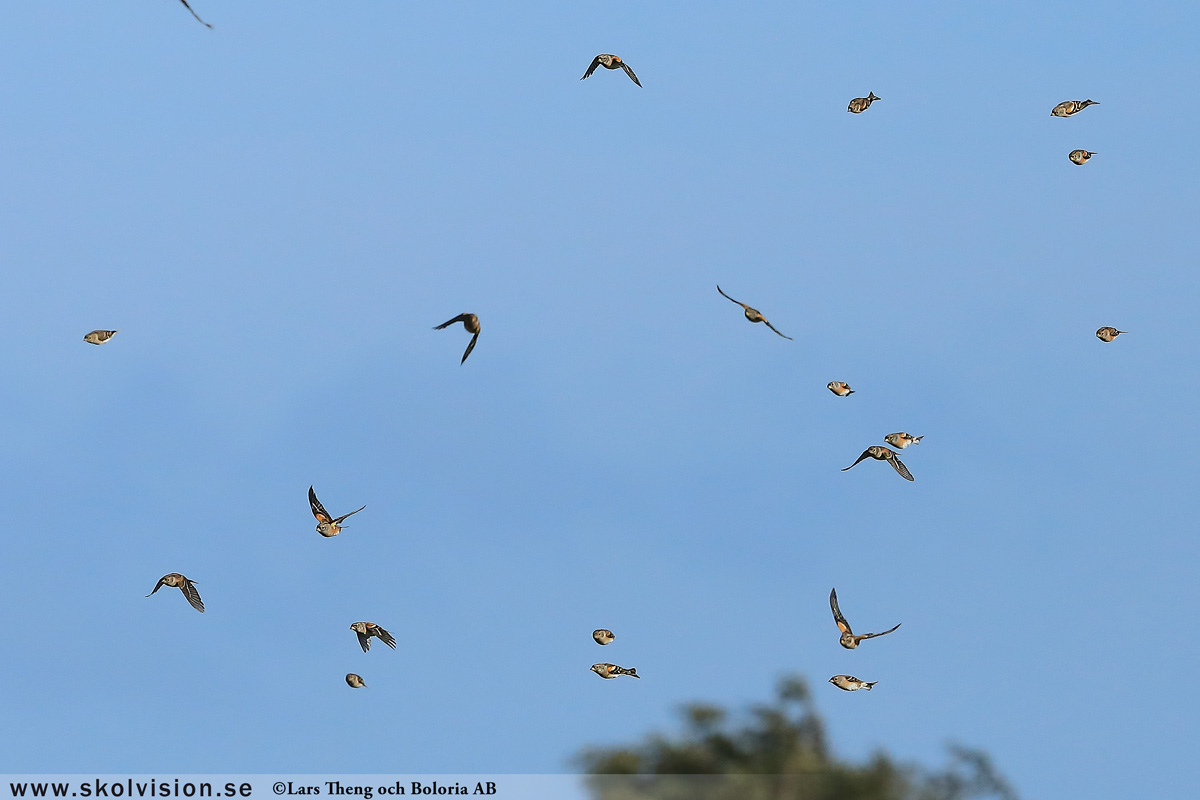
(777, 752)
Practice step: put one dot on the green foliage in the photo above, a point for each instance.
(779, 753)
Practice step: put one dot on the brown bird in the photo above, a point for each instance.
(753, 314)
(609, 61)
(327, 526)
(1107, 334)
(471, 323)
(861, 104)
(366, 630)
(1079, 156)
(850, 683)
(840, 388)
(902, 439)
(881, 453)
(99, 337)
(848, 640)
(174, 579)
(603, 636)
(610, 671)
(194, 14)
(355, 681)
(1069, 108)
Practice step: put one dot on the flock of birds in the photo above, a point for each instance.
(329, 526)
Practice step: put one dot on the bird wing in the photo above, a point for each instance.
(194, 14)
(387, 638)
(873, 635)
(193, 596)
(318, 510)
(899, 465)
(843, 626)
(158, 585)
(633, 77)
(865, 453)
(338, 521)
(591, 68)
(460, 318)
(364, 641)
(772, 327)
(727, 297)
(470, 347)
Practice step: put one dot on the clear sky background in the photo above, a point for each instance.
(276, 212)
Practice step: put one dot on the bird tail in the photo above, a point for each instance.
(917, 439)
(633, 673)
(870, 684)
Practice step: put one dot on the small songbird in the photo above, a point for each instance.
(1107, 334)
(355, 681)
(848, 640)
(326, 525)
(194, 14)
(1079, 156)
(471, 323)
(603, 636)
(861, 104)
(840, 388)
(849, 683)
(881, 453)
(99, 337)
(902, 439)
(753, 314)
(610, 671)
(366, 630)
(182, 584)
(1069, 108)
(609, 61)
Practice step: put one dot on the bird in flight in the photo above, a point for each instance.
(1107, 334)
(98, 337)
(174, 579)
(902, 439)
(861, 104)
(355, 681)
(603, 636)
(1079, 156)
(881, 453)
(194, 14)
(1068, 108)
(840, 388)
(366, 630)
(610, 671)
(609, 61)
(326, 525)
(471, 323)
(753, 314)
(848, 640)
(849, 683)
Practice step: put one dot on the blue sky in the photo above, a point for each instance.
(276, 212)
